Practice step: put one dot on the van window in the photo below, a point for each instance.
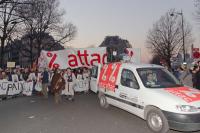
(157, 78)
(128, 79)
(94, 72)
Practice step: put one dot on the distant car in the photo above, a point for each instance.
(150, 92)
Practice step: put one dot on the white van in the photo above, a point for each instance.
(150, 92)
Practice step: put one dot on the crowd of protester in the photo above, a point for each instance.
(189, 76)
(59, 82)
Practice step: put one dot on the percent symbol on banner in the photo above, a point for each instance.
(52, 61)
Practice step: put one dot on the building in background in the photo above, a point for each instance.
(18, 51)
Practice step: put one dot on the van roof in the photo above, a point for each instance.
(134, 65)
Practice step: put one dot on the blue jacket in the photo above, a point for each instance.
(45, 77)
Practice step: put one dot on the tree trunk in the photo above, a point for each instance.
(39, 48)
(31, 49)
(169, 64)
(2, 52)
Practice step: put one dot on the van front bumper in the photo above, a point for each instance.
(183, 122)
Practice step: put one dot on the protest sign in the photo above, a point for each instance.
(14, 88)
(72, 58)
(10, 64)
(3, 88)
(27, 88)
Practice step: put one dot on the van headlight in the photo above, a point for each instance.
(187, 108)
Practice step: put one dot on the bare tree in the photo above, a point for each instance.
(165, 38)
(8, 22)
(197, 11)
(44, 16)
(3, 1)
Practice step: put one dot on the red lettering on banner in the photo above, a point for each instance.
(72, 62)
(108, 76)
(49, 54)
(187, 94)
(95, 59)
(73, 58)
(52, 60)
(85, 55)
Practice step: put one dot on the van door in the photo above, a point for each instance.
(93, 80)
(128, 93)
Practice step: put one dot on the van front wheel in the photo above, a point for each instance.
(103, 101)
(156, 121)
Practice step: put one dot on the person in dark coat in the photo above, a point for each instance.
(193, 71)
(25, 74)
(57, 85)
(45, 82)
(197, 76)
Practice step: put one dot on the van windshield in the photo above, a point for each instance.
(157, 78)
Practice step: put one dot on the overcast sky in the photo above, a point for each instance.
(129, 19)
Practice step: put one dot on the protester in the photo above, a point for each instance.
(185, 76)
(70, 80)
(38, 85)
(79, 75)
(25, 74)
(194, 71)
(1, 76)
(32, 76)
(197, 76)
(86, 79)
(45, 82)
(4, 76)
(57, 84)
(14, 76)
(176, 72)
(19, 74)
(9, 74)
(51, 73)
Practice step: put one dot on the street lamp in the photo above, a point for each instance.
(183, 35)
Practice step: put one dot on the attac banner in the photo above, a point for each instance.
(72, 58)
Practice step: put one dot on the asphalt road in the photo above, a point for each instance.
(84, 115)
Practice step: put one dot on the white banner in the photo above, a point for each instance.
(72, 58)
(27, 88)
(14, 88)
(3, 87)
